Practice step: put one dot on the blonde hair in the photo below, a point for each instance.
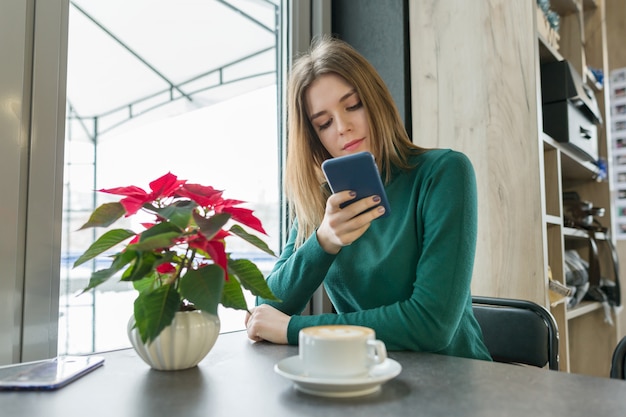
(390, 144)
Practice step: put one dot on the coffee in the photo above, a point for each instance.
(338, 332)
(340, 351)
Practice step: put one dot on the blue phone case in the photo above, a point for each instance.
(357, 172)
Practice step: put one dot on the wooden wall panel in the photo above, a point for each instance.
(474, 77)
(616, 32)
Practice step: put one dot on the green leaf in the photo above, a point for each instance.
(203, 287)
(209, 227)
(104, 243)
(252, 239)
(105, 215)
(165, 240)
(119, 261)
(98, 277)
(232, 296)
(178, 213)
(146, 283)
(144, 265)
(146, 277)
(251, 278)
(161, 235)
(154, 311)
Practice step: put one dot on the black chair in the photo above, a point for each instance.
(518, 331)
(618, 362)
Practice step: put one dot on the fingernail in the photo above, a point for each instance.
(352, 194)
(381, 209)
(376, 199)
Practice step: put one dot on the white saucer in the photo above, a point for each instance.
(291, 368)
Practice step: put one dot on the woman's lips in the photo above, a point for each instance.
(352, 144)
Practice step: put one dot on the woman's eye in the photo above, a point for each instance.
(356, 106)
(325, 125)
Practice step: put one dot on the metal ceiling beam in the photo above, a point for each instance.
(132, 52)
(247, 16)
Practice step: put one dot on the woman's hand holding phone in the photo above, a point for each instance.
(342, 226)
(356, 172)
(359, 198)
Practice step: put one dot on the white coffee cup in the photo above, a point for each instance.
(339, 351)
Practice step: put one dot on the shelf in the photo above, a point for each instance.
(583, 308)
(547, 53)
(576, 239)
(575, 233)
(554, 220)
(572, 232)
(566, 169)
(573, 167)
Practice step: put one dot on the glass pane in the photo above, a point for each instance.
(188, 87)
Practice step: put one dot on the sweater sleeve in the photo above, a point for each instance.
(297, 274)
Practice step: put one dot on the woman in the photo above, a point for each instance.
(407, 275)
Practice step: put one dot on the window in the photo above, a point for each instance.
(189, 87)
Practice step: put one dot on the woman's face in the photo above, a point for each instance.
(337, 115)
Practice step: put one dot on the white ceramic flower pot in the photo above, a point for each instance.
(181, 345)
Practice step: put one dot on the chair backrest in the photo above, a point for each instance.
(518, 331)
(618, 368)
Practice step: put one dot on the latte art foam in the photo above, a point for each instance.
(338, 332)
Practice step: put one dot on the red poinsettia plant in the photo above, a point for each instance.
(179, 260)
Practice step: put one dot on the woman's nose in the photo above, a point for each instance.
(343, 124)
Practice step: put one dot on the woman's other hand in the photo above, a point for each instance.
(264, 322)
(342, 226)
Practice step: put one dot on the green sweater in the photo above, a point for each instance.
(408, 277)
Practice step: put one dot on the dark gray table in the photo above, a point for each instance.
(237, 379)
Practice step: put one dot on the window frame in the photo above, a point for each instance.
(35, 82)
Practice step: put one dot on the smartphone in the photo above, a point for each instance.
(48, 374)
(357, 172)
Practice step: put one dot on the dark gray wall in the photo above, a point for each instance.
(379, 29)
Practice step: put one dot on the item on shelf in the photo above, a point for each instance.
(619, 125)
(598, 76)
(619, 92)
(618, 75)
(576, 277)
(602, 169)
(570, 110)
(581, 214)
(618, 111)
(558, 292)
(548, 23)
